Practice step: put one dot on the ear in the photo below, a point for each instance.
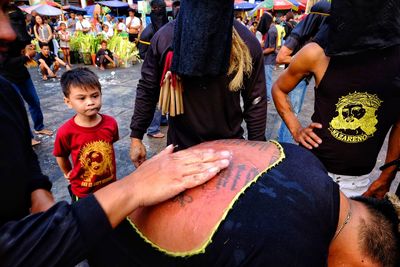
(67, 102)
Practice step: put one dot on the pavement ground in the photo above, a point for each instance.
(119, 92)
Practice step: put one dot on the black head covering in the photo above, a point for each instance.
(265, 23)
(359, 25)
(158, 14)
(203, 38)
(323, 7)
(311, 25)
(17, 21)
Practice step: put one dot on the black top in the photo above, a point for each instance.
(211, 110)
(59, 237)
(49, 59)
(287, 218)
(270, 42)
(145, 37)
(357, 102)
(20, 172)
(103, 52)
(12, 67)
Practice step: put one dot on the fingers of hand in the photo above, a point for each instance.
(203, 172)
(213, 167)
(201, 155)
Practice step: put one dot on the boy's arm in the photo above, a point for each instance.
(109, 58)
(44, 64)
(62, 63)
(65, 165)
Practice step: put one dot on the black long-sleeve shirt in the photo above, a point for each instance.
(211, 110)
(58, 237)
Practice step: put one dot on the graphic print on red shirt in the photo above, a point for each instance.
(92, 154)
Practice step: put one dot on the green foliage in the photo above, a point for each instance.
(120, 46)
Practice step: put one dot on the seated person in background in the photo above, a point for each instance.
(49, 63)
(104, 56)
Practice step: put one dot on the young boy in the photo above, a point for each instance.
(104, 56)
(88, 136)
(49, 63)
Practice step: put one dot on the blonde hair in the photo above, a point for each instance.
(240, 62)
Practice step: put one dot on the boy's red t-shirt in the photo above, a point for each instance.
(92, 154)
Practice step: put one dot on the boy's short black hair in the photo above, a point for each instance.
(103, 42)
(79, 77)
(41, 45)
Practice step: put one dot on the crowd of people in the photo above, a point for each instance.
(272, 200)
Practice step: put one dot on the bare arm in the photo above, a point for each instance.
(310, 59)
(41, 200)
(43, 63)
(36, 33)
(268, 50)
(50, 33)
(284, 56)
(381, 185)
(109, 58)
(62, 63)
(65, 165)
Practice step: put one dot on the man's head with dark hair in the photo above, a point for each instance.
(379, 234)
(79, 77)
(289, 16)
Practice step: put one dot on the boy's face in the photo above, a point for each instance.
(104, 45)
(85, 101)
(45, 50)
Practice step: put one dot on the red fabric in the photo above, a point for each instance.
(167, 67)
(92, 154)
(186, 222)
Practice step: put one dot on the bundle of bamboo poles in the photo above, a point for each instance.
(171, 100)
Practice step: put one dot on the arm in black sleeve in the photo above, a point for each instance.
(60, 236)
(148, 91)
(38, 179)
(16, 61)
(254, 98)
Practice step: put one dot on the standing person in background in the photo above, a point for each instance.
(268, 30)
(158, 17)
(356, 95)
(133, 25)
(65, 37)
(111, 25)
(176, 4)
(12, 67)
(121, 27)
(216, 70)
(281, 33)
(82, 25)
(43, 32)
(305, 31)
(72, 23)
(289, 23)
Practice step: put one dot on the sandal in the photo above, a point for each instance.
(44, 132)
(35, 142)
(157, 135)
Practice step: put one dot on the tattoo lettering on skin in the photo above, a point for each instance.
(263, 146)
(183, 199)
(251, 174)
(223, 177)
(240, 169)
